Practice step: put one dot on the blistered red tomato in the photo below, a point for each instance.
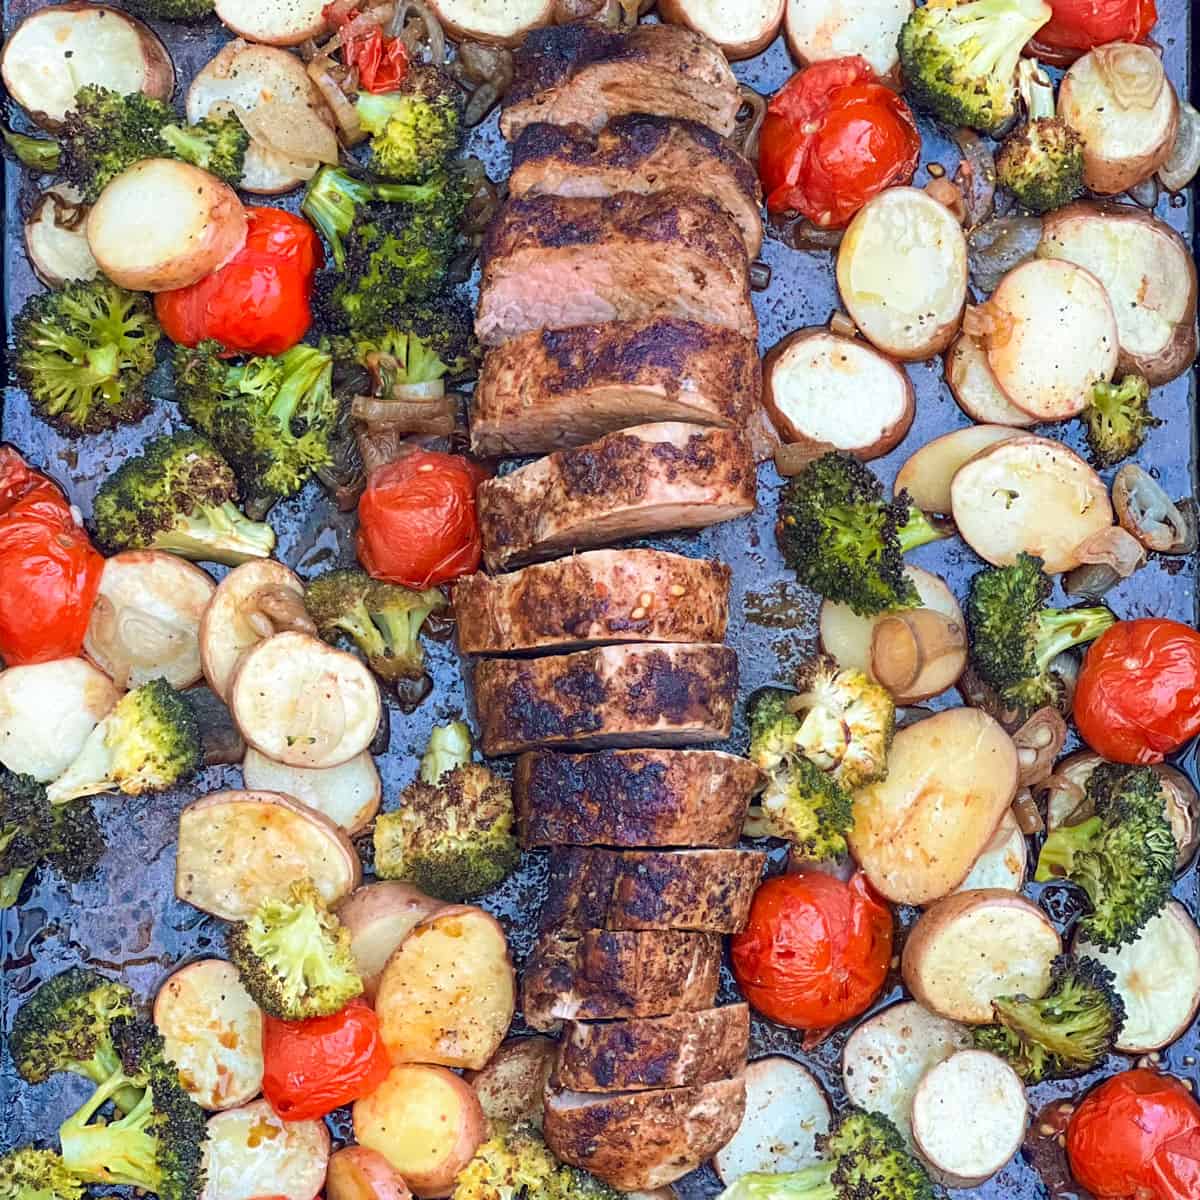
(833, 138)
(1080, 25)
(815, 951)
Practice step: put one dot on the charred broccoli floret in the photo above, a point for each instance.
(845, 541)
(294, 956)
(1041, 162)
(171, 10)
(31, 1174)
(422, 343)
(1118, 419)
(83, 353)
(1014, 637)
(179, 495)
(39, 154)
(414, 131)
(453, 834)
(215, 144)
(959, 61)
(1123, 857)
(382, 619)
(148, 743)
(806, 807)
(515, 1161)
(1068, 1031)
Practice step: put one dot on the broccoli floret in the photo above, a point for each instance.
(215, 144)
(31, 1174)
(845, 541)
(453, 838)
(515, 1161)
(773, 727)
(294, 956)
(171, 10)
(148, 743)
(1123, 858)
(37, 153)
(1014, 637)
(83, 353)
(415, 131)
(806, 807)
(157, 1146)
(67, 1025)
(1118, 419)
(1068, 1031)
(449, 747)
(382, 619)
(179, 495)
(1041, 162)
(427, 344)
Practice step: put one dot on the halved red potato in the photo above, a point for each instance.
(512, 1086)
(275, 22)
(1029, 494)
(59, 48)
(1121, 103)
(348, 794)
(902, 273)
(47, 711)
(818, 30)
(237, 849)
(505, 24)
(56, 237)
(356, 1173)
(426, 1122)
(1003, 862)
(975, 389)
(742, 28)
(213, 1033)
(1050, 333)
(928, 474)
(250, 1153)
(301, 702)
(164, 224)
(1149, 274)
(837, 391)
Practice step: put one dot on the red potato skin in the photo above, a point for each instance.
(356, 1173)
(461, 33)
(676, 13)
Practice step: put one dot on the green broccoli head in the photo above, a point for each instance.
(844, 540)
(294, 956)
(1068, 1031)
(179, 495)
(515, 1161)
(415, 131)
(1014, 637)
(148, 743)
(419, 337)
(171, 10)
(449, 747)
(39, 154)
(215, 144)
(806, 807)
(773, 727)
(959, 61)
(31, 1174)
(83, 354)
(1117, 419)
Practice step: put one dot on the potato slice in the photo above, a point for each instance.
(975, 389)
(485, 21)
(426, 1122)
(511, 1087)
(237, 849)
(1029, 494)
(969, 1116)
(47, 711)
(1149, 274)
(928, 473)
(59, 48)
(822, 388)
(742, 28)
(356, 1173)
(1051, 334)
(887, 1056)
(251, 1153)
(1003, 862)
(902, 273)
(950, 779)
(972, 947)
(348, 794)
(1158, 978)
(163, 224)
(213, 1033)
(301, 702)
(274, 22)
(819, 30)
(56, 237)
(448, 993)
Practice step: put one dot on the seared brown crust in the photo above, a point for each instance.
(552, 389)
(637, 1141)
(633, 798)
(644, 480)
(594, 598)
(584, 74)
(707, 891)
(639, 153)
(610, 696)
(680, 1050)
(601, 975)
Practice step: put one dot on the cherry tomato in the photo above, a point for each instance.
(381, 62)
(417, 524)
(259, 301)
(1077, 26)
(815, 951)
(1138, 695)
(833, 138)
(312, 1067)
(1137, 1134)
(49, 571)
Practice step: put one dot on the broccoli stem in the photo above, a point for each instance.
(810, 1183)
(38, 154)
(1061, 856)
(1037, 90)
(449, 747)
(190, 146)
(918, 530)
(1060, 629)
(119, 1152)
(218, 533)
(302, 367)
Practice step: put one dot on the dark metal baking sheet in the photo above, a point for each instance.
(126, 919)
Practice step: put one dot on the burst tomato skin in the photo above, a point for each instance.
(1078, 26)
(815, 951)
(1138, 695)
